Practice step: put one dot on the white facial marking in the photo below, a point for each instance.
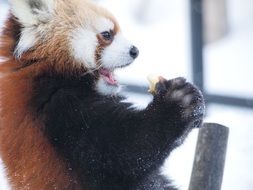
(103, 25)
(104, 89)
(27, 40)
(84, 43)
(117, 54)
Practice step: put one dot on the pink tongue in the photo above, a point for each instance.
(108, 76)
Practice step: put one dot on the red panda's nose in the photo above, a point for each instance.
(134, 52)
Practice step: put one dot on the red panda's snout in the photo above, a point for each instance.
(119, 53)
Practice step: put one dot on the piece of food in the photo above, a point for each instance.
(153, 79)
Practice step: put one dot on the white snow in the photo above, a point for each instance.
(4, 185)
(162, 35)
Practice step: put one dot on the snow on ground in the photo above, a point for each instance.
(163, 40)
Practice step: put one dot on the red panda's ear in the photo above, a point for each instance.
(32, 12)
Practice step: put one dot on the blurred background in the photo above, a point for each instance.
(213, 50)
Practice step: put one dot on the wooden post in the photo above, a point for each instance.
(208, 167)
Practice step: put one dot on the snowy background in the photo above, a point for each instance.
(160, 29)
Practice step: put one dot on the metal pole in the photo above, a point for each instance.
(197, 42)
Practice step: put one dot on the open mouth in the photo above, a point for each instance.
(108, 76)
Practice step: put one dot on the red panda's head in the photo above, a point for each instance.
(72, 34)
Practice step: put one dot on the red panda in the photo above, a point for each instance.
(63, 124)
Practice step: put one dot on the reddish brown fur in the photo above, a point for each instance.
(30, 160)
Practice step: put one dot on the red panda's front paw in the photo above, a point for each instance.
(183, 96)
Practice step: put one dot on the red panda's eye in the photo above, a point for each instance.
(107, 35)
